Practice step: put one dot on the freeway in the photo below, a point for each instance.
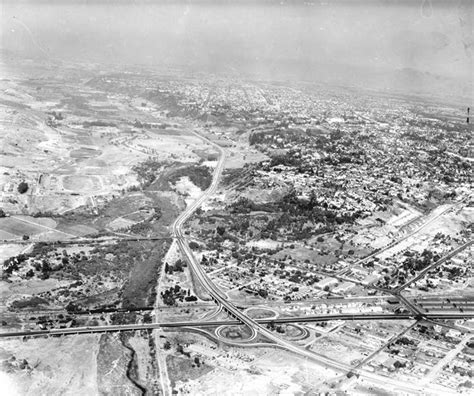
(254, 326)
(438, 301)
(216, 323)
(217, 294)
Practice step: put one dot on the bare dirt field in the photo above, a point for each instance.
(18, 227)
(10, 250)
(273, 372)
(6, 235)
(180, 368)
(50, 366)
(85, 152)
(83, 184)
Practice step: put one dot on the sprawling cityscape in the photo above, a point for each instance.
(166, 232)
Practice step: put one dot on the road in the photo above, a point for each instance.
(217, 294)
(445, 360)
(438, 301)
(230, 308)
(434, 265)
(385, 345)
(206, 322)
(396, 242)
(157, 334)
(257, 327)
(418, 311)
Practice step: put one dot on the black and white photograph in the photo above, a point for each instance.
(236, 197)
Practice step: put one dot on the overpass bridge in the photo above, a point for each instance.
(171, 325)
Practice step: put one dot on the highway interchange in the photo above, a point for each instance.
(255, 326)
(258, 327)
(211, 323)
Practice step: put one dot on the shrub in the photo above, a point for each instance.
(23, 187)
(194, 245)
(30, 302)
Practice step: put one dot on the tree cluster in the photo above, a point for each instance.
(176, 293)
(13, 264)
(177, 267)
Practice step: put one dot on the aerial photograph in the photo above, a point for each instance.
(236, 197)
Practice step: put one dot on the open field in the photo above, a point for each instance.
(84, 152)
(19, 228)
(235, 333)
(34, 228)
(263, 372)
(260, 313)
(10, 250)
(180, 369)
(6, 235)
(349, 353)
(50, 366)
(84, 184)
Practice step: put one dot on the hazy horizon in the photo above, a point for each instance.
(336, 41)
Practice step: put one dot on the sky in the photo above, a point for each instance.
(260, 38)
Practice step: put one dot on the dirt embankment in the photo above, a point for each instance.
(113, 362)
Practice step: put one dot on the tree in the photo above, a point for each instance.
(194, 245)
(158, 213)
(178, 266)
(467, 384)
(25, 237)
(46, 266)
(2, 213)
(72, 307)
(167, 345)
(399, 364)
(23, 187)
